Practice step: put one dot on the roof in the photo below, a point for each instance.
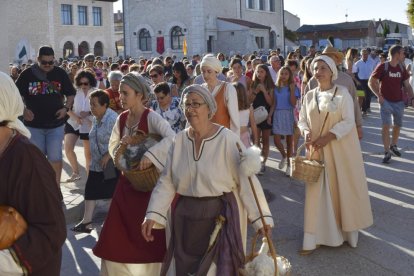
(245, 23)
(335, 27)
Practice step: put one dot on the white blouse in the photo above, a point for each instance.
(214, 171)
(81, 103)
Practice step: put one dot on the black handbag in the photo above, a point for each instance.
(110, 171)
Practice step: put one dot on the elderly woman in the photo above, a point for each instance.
(79, 123)
(224, 94)
(28, 184)
(123, 252)
(113, 91)
(338, 205)
(207, 190)
(97, 187)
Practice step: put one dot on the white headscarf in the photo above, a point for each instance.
(212, 62)
(11, 105)
(330, 62)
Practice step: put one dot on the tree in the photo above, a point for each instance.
(290, 34)
(410, 12)
(386, 30)
(397, 29)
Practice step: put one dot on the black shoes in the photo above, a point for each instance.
(387, 157)
(82, 228)
(395, 151)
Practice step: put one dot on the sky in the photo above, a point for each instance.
(315, 12)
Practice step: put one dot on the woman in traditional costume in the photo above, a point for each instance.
(203, 167)
(338, 205)
(224, 94)
(121, 247)
(28, 185)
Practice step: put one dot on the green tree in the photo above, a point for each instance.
(410, 12)
(397, 29)
(386, 30)
(291, 35)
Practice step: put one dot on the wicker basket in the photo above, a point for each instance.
(284, 268)
(303, 169)
(141, 180)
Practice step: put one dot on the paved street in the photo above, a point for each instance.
(386, 248)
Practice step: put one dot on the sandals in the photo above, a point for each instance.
(82, 228)
(304, 252)
(74, 177)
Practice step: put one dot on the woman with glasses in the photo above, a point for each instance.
(113, 91)
(122, 249)
(79, 123)
(203, 168)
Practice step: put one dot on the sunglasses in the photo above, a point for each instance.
(83, 83)
(44, 62)
(154, 76)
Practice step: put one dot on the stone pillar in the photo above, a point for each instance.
(196, 38)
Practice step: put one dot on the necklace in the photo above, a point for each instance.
(4, 147)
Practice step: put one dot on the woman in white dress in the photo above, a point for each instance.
(203, 167)
(338, 205)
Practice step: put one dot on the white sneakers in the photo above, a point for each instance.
(287, 170)
(282, 163)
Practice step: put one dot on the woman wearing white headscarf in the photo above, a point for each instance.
(27, 184)
(338, 205)
(224, 93)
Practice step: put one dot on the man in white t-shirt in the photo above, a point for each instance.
(274, 67)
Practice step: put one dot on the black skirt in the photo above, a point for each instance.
(98, 188)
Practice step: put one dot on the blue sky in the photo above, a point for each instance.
(316, 12)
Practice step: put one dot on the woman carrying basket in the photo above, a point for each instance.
(203, 167)
(337, 205)
(122, 249)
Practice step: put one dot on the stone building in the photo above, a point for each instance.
(154, 27)
(71, 27)
(357, 34)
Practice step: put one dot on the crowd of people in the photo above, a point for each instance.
(201, 108)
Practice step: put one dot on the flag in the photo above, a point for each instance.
(22, 52)
(185, 46)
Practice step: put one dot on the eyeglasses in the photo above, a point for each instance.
(44, 62)
(89, 60)
(193, 105)
(83, 83)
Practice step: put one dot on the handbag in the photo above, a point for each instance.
(260, 114)
(12, 226)
(109, 171)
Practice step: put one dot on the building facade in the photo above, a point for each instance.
(72, 27)
(357, 34)
(159, 27)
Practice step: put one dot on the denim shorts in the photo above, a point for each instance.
(49, 141)
(394, 110)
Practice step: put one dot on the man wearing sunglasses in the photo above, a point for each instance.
(48, 94)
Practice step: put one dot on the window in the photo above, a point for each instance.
(250, 4)
(262, 5)
(177, 37)
(83, 15)
(272, 5)
(66, 14)
(272, 40)
(260, 42)
(97, 16)
(144, 40)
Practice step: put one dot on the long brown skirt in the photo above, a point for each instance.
(194, 221)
